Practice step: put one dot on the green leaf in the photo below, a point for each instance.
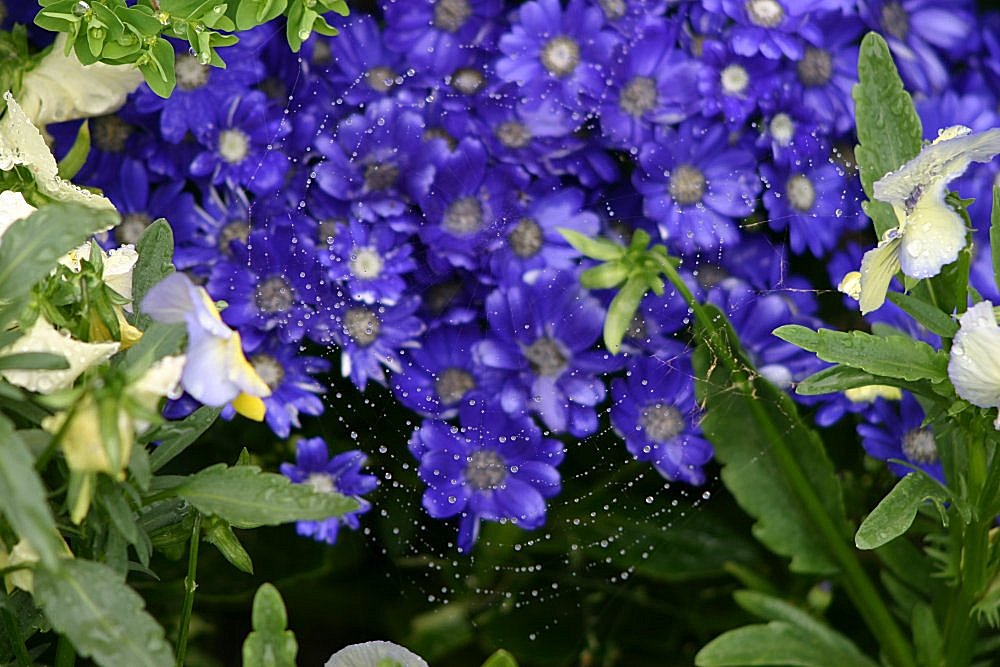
(777, 643)
(33, 245)
(175, 437)
(889, 130)
(838, 378)
(995, 234)
(156, 253)
(601, 249)
(891, 356)
(894, 515)
(247, 498)
(270, 644)
(77, 155)
(500, 659)
(103, 618)
(157, 67)
(23, 497)
(34, 361)
(926, 634)
(743, 418)
(621, 311)
(217, 532)
(252, 13)
(604, 276)
(931, 317)
(158, 340)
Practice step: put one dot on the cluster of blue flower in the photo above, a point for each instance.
(396, 192)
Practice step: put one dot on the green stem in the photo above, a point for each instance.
(65, 654)
(13, 633)
(190, 585)
(859, 586)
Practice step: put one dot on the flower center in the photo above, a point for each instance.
(919, 446)
(782, 129)
(381, 176)
(637, 328)
(132, 227)
(321, 482)
(613, 9)
(468, 81)
(485, 470)
(453, 384)
(895, 21)
(274, 295)
(464, 216)
(110, 133)
(440, 297)
(327, 231)
(234, 145)
(321, 55)
(734, 79)
(526, 238)
(269, 369)
(764, 13)
(237, 230)
(687, 185)
(561, 55)
(513, 134)
(366, 263)
(815, 68)
(190, 73)
(450, 15)
(362, 325)
(801, 193)
(662, 422)
(432, 133)
(380, 79)
(639, 96)
(546, 357)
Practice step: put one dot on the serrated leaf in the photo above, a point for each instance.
(891, 356)
(23, 497)
(777, 643)
(895, 513)
(247, 498)
(174, 437)
(270, 644)
(218, 533)
(888, 127)
(500, 659)
(741, 419)
(932, 318)
(103, 618)
(32, 246)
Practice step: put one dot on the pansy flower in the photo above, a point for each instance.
(974, 360)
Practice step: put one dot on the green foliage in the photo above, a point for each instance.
(156, 252)
(73, 161)
(995, 234)
(247, 498)
(220, 534)
(176, 436)
(500, 659)
(270, 644)
(932, 317)
(895, 514)
(101, 615)
(889, 130)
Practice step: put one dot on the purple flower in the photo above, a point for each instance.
(289, 376)
(829, 68)
(791, 130)
(538, 352)
(212, 230)
(140, 203)
(773, 28)
(894, 430)
(240, 150)
(371, 260)
(734, 85)
(362, 69)
(626, 16)
(438, 35)
(551, 52)
(340, 474)
(440, 375)
(655, 412)
(694, 183)
(495, 468)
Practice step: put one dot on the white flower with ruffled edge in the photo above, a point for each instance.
(22, 144)
(43, 337)
(974, 361)
(61, 88)
(373, 654)
(930, 233)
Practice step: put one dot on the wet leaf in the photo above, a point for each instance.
(895, 513)
(270, 644)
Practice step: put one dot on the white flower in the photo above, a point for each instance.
(118, 265)
(370, 653)
(930, 234)
(974, 362)
(13, 207)
(43, 337)
(61, 88)
(22, 144)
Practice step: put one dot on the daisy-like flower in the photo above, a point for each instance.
(655, 412)
(773, 28)
(340, 474)
(974, 362)
(495, 468)
(894, 430)
(441, 373)
(371, 259)
(438, 35)
(216, 372)
(930, 234)
(289, 375)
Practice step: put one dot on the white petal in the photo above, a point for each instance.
(43, 337)
(974, 362)
(878, 266)
(933, 237)
(369, 653)
(13, 207)
(118, 267)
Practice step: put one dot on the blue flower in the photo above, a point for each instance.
(655, 412)
(828, 70)
(495, 468)
(557, 53)
(734, 85)
(694, 183)
(212, 230)
(895, 430)
(773, 28)
(371, 260)
(340, 474)
(362, 69)
(441, 375)
(437, 35)
(140, 203)
(290, 377)
(538, 353)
